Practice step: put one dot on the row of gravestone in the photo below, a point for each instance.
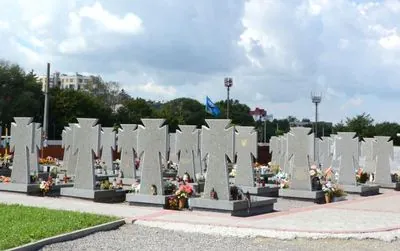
(341, 151)
(83, 140)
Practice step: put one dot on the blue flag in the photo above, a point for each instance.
(212, 108)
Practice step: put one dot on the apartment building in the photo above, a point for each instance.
(64, 81)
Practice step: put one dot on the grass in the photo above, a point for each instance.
(21, 225)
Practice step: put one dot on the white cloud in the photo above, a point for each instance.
(276, 51)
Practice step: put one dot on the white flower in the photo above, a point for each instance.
(312, 172)
(43, 185)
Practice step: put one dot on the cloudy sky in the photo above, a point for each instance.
(277, 52)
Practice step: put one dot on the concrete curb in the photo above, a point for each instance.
(70, 236)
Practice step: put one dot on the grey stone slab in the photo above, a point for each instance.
(267, 191)
(246, 147)
(367, 155)
(299, 142)
(66, 143)
(152, 142)
(73, 153)
(199, 159)
(347, 150)
(96, 195)
(186, 147)
(127, 146)
(217, 143)
(144, 199)
(22, 144)
(363, 190)
(108, 142)
(89, 132)
(325, 152)
(394, 185)
(301, 194)
(19, 188)
(274, 149)
(258, 205)
(383, 153)
(173, 152)
(35, 149)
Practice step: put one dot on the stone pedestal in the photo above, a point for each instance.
(19, 188)
(269, 190)
(395, 185)
(146, 200)
(242, 208)
(316, 196)
(363, 190)
(95, 195)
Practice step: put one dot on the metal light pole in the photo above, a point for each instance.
(228, 82)
(46, 104)
(316, 99)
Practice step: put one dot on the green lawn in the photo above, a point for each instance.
(21, 225)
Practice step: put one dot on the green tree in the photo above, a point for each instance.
(133, 110)
(361, 124)
(239, 113)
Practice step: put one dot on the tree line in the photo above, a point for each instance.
(21, 95)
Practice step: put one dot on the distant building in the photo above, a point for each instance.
(64, 81)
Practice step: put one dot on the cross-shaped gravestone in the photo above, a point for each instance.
(286, 157)
(21, 144)
(246, 148)
(186, 147)
(88, 145)
(217, 142)
(347, 151)
(152, 141)
(108, 140)
(383, 152)
(367, 154)
(274, 149)
(298, 147)
(73, 153)
(325, 152)
(127, 145)
(66, 143)
(35, 149)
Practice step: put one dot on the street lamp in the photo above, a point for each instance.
(228, 82)
(316, 99)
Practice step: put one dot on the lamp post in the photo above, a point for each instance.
(228, 82)
(316, 99)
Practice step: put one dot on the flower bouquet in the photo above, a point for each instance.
(332, 191)
(45, 186)
(183, 193)
(361, 176)
(4, 179)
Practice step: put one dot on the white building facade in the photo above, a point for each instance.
(65, 81)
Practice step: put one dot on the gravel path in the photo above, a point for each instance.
(135, 237)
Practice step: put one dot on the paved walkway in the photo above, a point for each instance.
(371, 215)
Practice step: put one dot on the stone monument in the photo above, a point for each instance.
(127, 146)
(152, 141)
(274, 149)
(367, 155)
(347, 151)
(172, 148)
(35, 150)
(66, 143)
(300, 182)
(383, 152)
(186, 148)
(325, 152)
(108, 141)
(218, 142)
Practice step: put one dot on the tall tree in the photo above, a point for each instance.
(133, 110)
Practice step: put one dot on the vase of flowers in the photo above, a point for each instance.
(328, 189)
(183, 193)
(45, 186)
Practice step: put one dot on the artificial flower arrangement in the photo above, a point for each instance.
(361, 176)
(315, 172)
(332, 191)
(45, 186)
(4, 179)
(182, 194)
(281, 179)
(48, 161)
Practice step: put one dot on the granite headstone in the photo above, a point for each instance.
(246, 147)
(108, 142)
(127, 145)
(383, 152)
(186, 147)
(347, 151)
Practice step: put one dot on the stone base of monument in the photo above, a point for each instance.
(270, 190)
(363, 190)
(55, 190)
(146, 200)
(118, 195)
(316, 196)
(394, 185)
(19, 188)
(240, 208)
